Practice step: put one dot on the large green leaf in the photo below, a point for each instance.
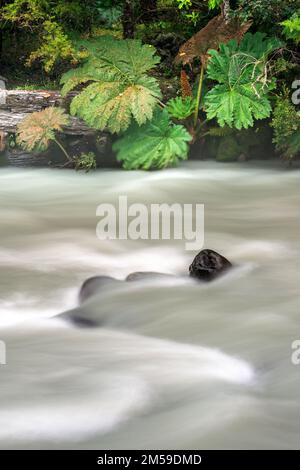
(121, 89)
(259, 45)
(118, 56)
(242, 93)
(237, 107)
(112, 104)
(157, 144)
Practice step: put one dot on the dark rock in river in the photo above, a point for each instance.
(93, 285)
(145, 275)
(208, 265)
(80, 321)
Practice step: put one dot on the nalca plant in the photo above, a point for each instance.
(157, 144)
(118, 94)
(39, 129)
(242, 92)
(117, 87)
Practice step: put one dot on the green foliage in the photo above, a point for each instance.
(193, 17)
(181, 108)
(86, 161)
(229, 150)
(120, 90)
(36, 131)
(184, 4)
(55, 47)
(241, 71)
(228, 144)
(286, 125)
(11, 141)
(220, 131)
(213, 4)
(45, 26)
(281, 65)
(292, 28)
(293, 143)
(267, 14)
(31, 13)
(110, 11)
(157, 144)
(23, 12)
(46, 23)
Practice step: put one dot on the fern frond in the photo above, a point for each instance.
(181, 108)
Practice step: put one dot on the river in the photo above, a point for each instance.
(173, 364)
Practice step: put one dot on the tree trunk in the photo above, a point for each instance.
(128, 20)
(226, 10)
(149, 10)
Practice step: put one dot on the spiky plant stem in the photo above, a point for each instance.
(70, 160)
(199, 93)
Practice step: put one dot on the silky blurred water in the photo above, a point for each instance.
(173, 363)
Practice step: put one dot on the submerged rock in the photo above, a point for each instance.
(93, 285)
(144, 275)
(80, 321)
(208, 265)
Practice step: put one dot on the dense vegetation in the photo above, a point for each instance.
(160, 74)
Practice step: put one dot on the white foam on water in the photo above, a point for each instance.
(70, 420)
(64, 385)
(260, 248)
(22, 308)
(120, 264)
(114, 377)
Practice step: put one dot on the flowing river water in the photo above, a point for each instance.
(173, 363)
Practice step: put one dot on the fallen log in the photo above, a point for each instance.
(15, 105)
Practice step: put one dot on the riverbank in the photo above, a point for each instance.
(77, 138)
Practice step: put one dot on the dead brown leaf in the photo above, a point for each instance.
(217, 31)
